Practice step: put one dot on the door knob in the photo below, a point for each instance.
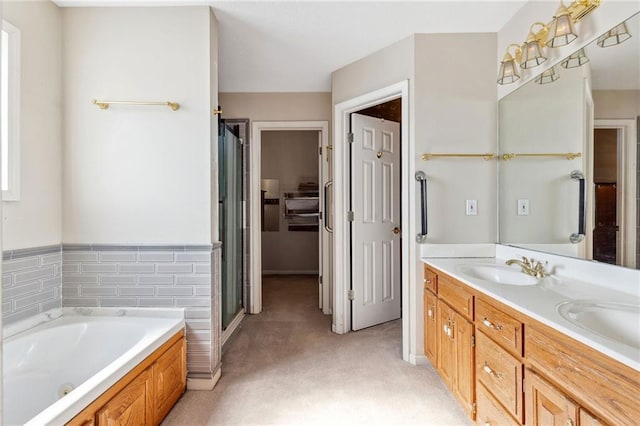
(396, 230)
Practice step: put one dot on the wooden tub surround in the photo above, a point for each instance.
(146, 394)
(507, 368)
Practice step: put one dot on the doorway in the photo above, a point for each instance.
(614, 185)
(342, 199)
(375, 224)
(296, 208)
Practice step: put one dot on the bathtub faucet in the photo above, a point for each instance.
(530, 266)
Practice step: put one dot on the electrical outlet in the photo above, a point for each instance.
(472, 207)
(523, 207)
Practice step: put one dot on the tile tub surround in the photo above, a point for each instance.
(157, 276)
(31, 282)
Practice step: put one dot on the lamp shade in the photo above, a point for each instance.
(508, 72)
(561, 31)
(614, 36)
(576, 60)
(549, 76)
(532, 54)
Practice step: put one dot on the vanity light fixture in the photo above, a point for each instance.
(508, 69)
(549, 76)
(575, 60)
(614, 36)
(561, 30)
(532, 49)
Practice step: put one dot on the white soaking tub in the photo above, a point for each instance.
(53, 370)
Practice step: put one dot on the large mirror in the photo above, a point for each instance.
(568, 171)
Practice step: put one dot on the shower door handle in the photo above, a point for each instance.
(575, 238)
(325, 213)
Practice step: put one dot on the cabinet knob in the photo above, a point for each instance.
(487, 423)
(430, 313)
(569, 422)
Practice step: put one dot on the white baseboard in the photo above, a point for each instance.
(203, 383)
(266, 272)
(418, 360)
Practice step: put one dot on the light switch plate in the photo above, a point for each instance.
(523, 207)
(472, 207)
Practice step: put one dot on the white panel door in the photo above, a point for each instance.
(375, 231)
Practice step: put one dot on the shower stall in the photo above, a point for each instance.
(231, 220)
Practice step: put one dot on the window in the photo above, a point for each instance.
(10, 112)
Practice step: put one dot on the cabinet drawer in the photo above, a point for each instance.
(500, 326)
(604, 386)
(501, 373)
(456, 296)
(490, 412)
(430, 280)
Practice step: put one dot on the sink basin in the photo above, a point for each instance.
(613, 321)
(498, 274)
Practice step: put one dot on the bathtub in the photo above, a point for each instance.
(55, 369)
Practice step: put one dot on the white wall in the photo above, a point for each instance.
(35, 220)
(455, 109)
(213, 103)
(131, 173)
(616, 104)
(292, 158)
(605, 17)
(277, 106)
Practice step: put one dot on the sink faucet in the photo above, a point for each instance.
(530, 266)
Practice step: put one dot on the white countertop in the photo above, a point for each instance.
(540, 301)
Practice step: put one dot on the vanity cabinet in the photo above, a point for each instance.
(522, 372)
(449, 335)
(146, 394)
(430, 326)
(546, 406)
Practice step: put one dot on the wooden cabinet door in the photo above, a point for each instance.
(169, 373)
(545, 405)
(431, 327)
(132, 406)
(445, 343)
(586, 419)
(464, 364)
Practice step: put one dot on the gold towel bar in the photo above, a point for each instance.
(486, 157)
(567, 155)
(105, 104)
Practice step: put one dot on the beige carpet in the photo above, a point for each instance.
(286, 367)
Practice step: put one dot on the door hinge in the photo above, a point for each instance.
(320, 150)
(320, 279)
(350, 216)
(474, 408)
(473, 340)
(350, 137)
(351, 295)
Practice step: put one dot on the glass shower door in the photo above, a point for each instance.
(230, 220)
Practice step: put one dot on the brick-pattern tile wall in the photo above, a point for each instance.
(31, 281)
(145, 276)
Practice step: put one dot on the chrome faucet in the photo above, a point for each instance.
(530, 266)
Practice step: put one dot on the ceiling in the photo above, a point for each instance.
(294, 46)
